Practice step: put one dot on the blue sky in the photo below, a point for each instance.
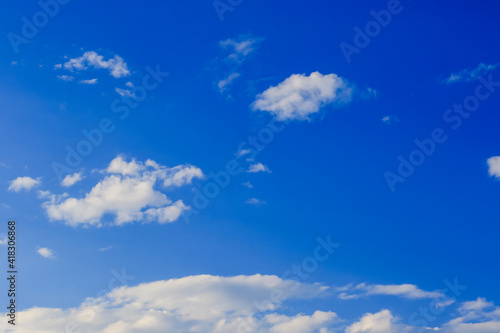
(227, 142)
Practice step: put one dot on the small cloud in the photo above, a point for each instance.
(243, 152)
(494, 166)
(91, 81)
(46, 252)
(71, 180)
(247, 184)
(240, 47)
(124, 92)
(258, 167)
(4, 206)
(467, 75)
(13, 63)
(102, 249)
(388, 120)
(23, 183)
(255, 201)
(129, 84)
(58, 66)
(3, 240)
(66, 78)
(223, 84)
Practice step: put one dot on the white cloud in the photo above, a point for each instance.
(243, 152)
(116, 66)
(467, 75)
(127, 193)
(46, 252)
(247, 184)
(202, 303)
(300, 96)
(258, 167)
(494, 166)
(102, 249)
(124, 92)
(388, 120)
(4, 240)
(255, 201)
(91, 81)
(23, 183)
(380, 322)
(71, 180)
(223, 84)
(409, 291)
(240, 47)
(65, 78)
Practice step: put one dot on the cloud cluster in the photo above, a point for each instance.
(127, 193)
(299, 96)
(116, 66)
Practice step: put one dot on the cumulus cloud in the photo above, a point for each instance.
(46, 252)
(409, 291)
(127, 193)
(116, 66)
(71, 180)
(467, 75)
(258, 167)
(202, 303)
(380, 322)
(23, 183)
(494, 166)
(300, 96)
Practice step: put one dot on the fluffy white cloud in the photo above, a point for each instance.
(258, 167)
(300, 96)
(467, 75)
(409, 291)
(124, 92)
(4, 240)
(494, 166)
(126, 194)
(116, 66)
(71, 180)
(380, 322)
(202, 303)
(23, 183)
(46, 252)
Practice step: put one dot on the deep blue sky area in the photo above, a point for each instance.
(324, 174)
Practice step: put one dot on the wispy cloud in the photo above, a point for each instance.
(409, 291)
(467, 75)
(66, 78)
(255, 201)
(89, 82)
(247, 184)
